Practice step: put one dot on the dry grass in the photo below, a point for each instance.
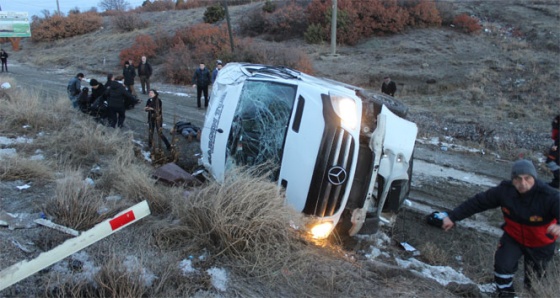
(76, 204)
(433, 255)
(14, 168)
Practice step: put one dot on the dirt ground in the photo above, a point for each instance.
(495, 93)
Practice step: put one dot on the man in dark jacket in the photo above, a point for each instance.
(4, 59)
(201, 80)
(388, 86)
(117, 95)
(129, 74)
(144, 72)
(531, 211)
(74, 88)
(97, 97)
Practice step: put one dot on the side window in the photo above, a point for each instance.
(260, 123)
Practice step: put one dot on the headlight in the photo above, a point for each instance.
(346, 109)
(322, 230)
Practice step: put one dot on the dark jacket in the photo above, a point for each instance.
(527, 216)
(3, 56)
(389, 88)
(129, 74)
(144, 69)
(117, 95)
(156, 104)
(201, 77)
(95, 93)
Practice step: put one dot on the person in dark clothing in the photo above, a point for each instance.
(201, 80)
(219, 66)
(129, 73)
(74, 88)
(96, 99)
(4, 58)
(144, 72)
(553, 157)
(531, 211)
(155, 118)
(388, 86)
(117, 95)
(109, 80)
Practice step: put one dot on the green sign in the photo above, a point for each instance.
(14, 24)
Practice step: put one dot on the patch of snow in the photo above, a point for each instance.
(186, 267)
(218, 278)
(133, 265)
(181, 94)
(7, 152)
(442, 274)
(22, 187)
(422, 168)
(37, 157)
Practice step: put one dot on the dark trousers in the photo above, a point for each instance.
(145, 82)
(159, 132)
(116, 116)
(5, 64)
(506, 260)
(199, 91)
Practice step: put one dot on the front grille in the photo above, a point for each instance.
(335, 157)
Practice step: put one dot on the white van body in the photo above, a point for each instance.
(313, 133)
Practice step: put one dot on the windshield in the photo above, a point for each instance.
(259, 125)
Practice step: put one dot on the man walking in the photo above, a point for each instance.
(201, 80)
(531, 211)
(144, 72)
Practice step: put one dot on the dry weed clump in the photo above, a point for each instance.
(547, 286)
(132, 180)
(433, 255)
(115, 279)
(28, 111)
(77, 204)
(243, 218)
(20, 168)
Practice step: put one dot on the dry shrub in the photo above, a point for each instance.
(90, 142)
(161, 5)
(358, 19)
(19, 168)
(433, 255)
(467, 24)
(287, 21)
(547, 286)
(115, 279)
(60, 27)
(178, 55)
(128, 21)
(276, 54)
(76, 203)
(132, 180)
(30, 112)
(244, 219)
(423, 13)
(144, 45)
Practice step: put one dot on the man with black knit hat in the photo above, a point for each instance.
(531, 211)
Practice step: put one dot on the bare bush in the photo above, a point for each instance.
(128, 21)
(21, 168)
(243, 218)
(76, 204)
(60, 27)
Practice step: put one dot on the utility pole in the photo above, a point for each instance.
(229, 26)
(58, 7)
(333, 27)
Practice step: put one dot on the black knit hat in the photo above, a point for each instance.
(93, 82)
(523, 167)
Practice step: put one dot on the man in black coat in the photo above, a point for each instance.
(129, 74)
(117, 96)
(201, 80)
(531, 211)
(388, 86)
(144, 72)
